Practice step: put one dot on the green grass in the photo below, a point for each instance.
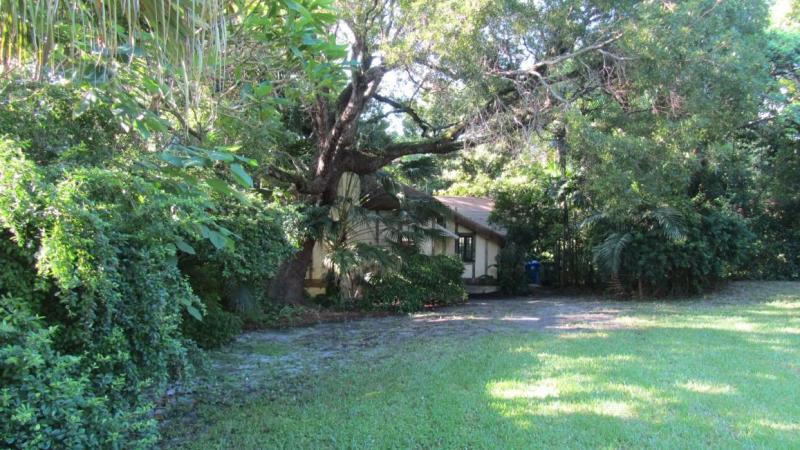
(686, 376)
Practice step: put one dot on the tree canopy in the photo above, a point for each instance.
(168, 168)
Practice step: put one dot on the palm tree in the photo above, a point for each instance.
(619, 232)
(56, 38)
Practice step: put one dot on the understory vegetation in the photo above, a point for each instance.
(421, 281)
(168, 168)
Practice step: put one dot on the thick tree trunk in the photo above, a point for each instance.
(289, 284)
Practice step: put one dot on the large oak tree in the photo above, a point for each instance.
(460, 72)
(469, 73)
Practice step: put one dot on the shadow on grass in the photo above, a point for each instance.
(704, 378)
(731, 385)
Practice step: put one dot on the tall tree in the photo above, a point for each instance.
(460, 72)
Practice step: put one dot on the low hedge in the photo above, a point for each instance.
(421, 280)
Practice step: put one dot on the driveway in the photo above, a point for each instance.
(260, 363)
(260, 356)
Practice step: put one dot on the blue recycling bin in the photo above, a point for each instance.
(533, 270)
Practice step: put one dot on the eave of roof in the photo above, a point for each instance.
(474, 213)
(480, 228)
(376, 198)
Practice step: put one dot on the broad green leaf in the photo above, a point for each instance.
(171, 159)
(185, 247)
(220, 156)
(241, 175)
(194, 312)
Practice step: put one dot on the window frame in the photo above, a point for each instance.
(460, 249)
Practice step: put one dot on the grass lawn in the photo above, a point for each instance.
(680, 375)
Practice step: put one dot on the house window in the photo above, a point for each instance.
(465, 247)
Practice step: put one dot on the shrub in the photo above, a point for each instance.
(216, 328)
(244, 272)
(715, 243)
(421, 280)
(777, 247)
(233, 282)
(16, 276)
(47, 399)
(511, 274)
(95, 234)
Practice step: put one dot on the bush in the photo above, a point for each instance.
(241, 275)
(47, 399)
(777, 248)
(511, 274)
(95, 235)
(715, 244)
(217, 327)
(422, 280)
(16, 276)
(233, 282)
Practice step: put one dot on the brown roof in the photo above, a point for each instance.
(473, 211)
(375, 197)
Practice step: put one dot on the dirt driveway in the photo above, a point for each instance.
(259, 363)
(259, 356)
(276, 354)
(282, 361)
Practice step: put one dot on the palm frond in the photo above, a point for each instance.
(608, 254)
(594, 219)
(671, 222)
(182, 34)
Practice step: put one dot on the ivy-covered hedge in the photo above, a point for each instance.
(93, 230)
(108, 288)
(48, 399)
(421, 280)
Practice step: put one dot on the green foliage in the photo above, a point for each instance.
(511, 274)
(421, 281)
(16, 276)
(48, 399)
(216, 328)
(259, 227)
(712, 246)
(528, 208)
(777, 250)
(100, 234)
(232, 282)
(276, 315)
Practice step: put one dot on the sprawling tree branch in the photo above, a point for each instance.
(364, 163)
(399, 107)
(536, 68)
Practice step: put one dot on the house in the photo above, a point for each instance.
(475, 241)
(465, 232)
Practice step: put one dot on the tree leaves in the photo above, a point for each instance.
(240, 175)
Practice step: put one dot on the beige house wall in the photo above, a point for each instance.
(486, 250)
